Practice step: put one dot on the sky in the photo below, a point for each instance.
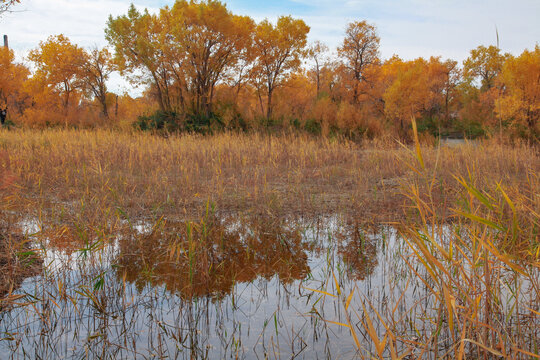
(408, 28)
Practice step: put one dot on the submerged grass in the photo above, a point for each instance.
(483, 274)
(480, 273)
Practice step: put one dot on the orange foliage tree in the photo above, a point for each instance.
(360, 49)
(96, 69)
(417, 89)
(452, 78)
(12, 78)
(279, 50)
(59, 64)
(520, 102)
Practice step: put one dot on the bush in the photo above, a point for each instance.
(470, 129)
(160, 120)
(171, 121)
(312, 126)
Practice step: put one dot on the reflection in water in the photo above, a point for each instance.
(220, 288)
(217, 288)
(358, 251)
(209, 258)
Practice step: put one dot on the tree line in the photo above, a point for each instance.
(204, 67)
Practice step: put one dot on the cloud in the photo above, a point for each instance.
(405, 26)
(409, 28)
(82, 21)
(413, 28)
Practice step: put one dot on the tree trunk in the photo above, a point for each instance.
(269, 104)
(159, 93)
(104, 107)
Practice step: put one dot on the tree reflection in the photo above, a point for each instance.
(209, 257)
(358, 251)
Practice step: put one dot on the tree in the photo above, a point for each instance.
(5, 5)
(212, 39)
(452, 75)
(59, 63)
(423, 82)
(97, 68)
(12, 78)
(184, 51)
(316, 52)
(484, 64)
(359, 50)
(520, 102)
(279, 50)
(136, 38)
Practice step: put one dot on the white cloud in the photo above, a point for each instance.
(409, 28)
(83, 21)
(416, 28)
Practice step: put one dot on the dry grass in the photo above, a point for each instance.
(480, 274)
(95, 174)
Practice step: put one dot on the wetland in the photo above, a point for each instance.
(264, 247)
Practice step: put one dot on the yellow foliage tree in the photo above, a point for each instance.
(279, 50)
(206, 40)
(520, 102)
(12, 78)
(183, 52)
(484, 64)
(97, 68)
(136, 39)
(360, 49)
(59, 64)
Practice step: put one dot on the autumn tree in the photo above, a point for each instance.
(484, 64)
(279, 50)
(520, 102)
(316, 53)
(12, 78)
(359, 50)
(5, 5)
(209, 40)
(295, 97)
(183, 52)
(452, 78)
(478, 90)
(136, 38)
(59, 64)
(423, 82)
(97, 68)
(238, 76)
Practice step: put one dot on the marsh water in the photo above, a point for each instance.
(222, 287)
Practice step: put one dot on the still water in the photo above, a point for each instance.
(221, 287)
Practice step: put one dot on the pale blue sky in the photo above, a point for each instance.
(409, 28)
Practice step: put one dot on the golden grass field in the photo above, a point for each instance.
(146, 175)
